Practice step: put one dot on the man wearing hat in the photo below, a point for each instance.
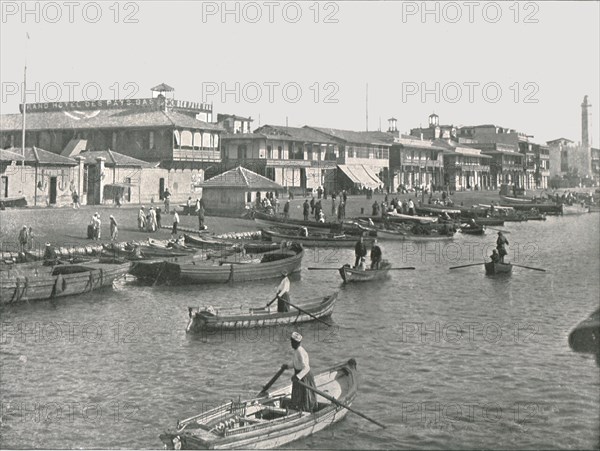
(283, 293)
(302, 398)
(142, 218)
(501, 244)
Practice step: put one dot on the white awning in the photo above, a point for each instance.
(361, 175)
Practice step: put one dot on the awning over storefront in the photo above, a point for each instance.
(361, 175)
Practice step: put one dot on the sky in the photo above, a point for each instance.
(522, 65)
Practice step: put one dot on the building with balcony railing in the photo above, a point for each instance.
(176, 135)
(415, 163)
(297, 158)
(465, 168)
(506, 164)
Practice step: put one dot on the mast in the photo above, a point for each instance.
(23, 124)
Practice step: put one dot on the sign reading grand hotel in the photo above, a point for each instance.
(141, 104)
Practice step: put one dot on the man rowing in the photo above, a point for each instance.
(501, 244)
(302, 398)
(283, 295)
(376, 255)
(360, 250)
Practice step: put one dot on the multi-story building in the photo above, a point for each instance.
(233, 124)
(506, 163)
(363, 160)
(416, 163)
(174, 134)
(297, 158)
(465, 168)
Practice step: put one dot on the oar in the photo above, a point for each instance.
(276, 297)
(313, 268)
(306, 313)
(335, 401)
(464, 266)
(499, 230)
(406, 267)
(272, 381)
(530, 267)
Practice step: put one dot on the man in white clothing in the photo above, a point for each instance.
(302, 398)
(283, 295)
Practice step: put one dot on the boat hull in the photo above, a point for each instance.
(492, 269)
(400, 236)
(339, 381)
(47, 282)
(203, 321)
(354, 275)
(316, 241)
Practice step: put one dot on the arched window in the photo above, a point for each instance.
(186, 139)
(197, 140)
(177, 138)
(206, 140)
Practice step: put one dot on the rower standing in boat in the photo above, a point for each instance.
(376, 255)
(501, 244)
(283, 294)
(360, 251)
(303, 399)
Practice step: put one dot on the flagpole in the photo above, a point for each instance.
(24, 104)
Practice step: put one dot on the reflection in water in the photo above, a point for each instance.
(447, 359)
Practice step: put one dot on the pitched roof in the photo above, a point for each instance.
(558, 139)
(113, 159)
(453, 148)
(107, 118)
(163, 87)
(41, 156)
(223, 116)
(241, 178)
(417, 143)
(350, 136)
(8, 155)
(304, 134)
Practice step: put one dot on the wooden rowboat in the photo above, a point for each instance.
(350, 274)
(407, 236)
(233, 319)
(316, 240)
(267, 422)
(236, 268)
(34, 281)
(473, 230)
(492, 269)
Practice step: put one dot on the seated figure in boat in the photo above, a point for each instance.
(362, 264)
(303, 398)
(495, 257)
(304, 232)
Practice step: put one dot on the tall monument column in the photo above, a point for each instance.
(585, 130)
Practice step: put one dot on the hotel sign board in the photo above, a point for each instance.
(156, 103)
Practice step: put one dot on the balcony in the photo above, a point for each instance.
(196, 155)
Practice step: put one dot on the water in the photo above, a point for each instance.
(447, 358)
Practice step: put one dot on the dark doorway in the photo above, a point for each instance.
(161, 188)
(128, 189)
(4, 186)
(52, 190)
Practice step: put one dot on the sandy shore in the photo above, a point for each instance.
(68, 227)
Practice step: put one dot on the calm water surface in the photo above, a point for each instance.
(448, 359)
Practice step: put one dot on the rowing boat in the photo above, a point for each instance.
(350, 274)
(269, 421)
(221, 269)
(435, 235)
(34, 281)
(233, 319)
(392, 216)
(473, 230)
(316, 240)
(492, 269)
